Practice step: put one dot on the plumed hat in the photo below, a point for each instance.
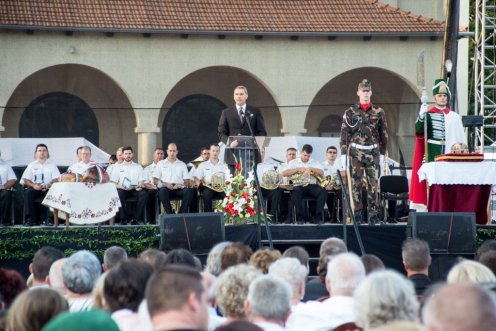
(440, 87)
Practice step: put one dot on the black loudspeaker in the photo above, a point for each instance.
(194, 232)
(446, 233)
(449, 235)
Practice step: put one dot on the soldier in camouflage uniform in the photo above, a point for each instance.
(364, 138)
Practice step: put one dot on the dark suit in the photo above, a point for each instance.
(231, 125)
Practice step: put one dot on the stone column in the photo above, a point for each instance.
(148, 134)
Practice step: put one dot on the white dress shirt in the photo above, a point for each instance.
(331, 169)
(311, 163)
(269, 326)
(130, 170)
(148, 173)
(322, 316)
(6, 173)
(79, 167)
(207, 169)
(41, 173)
(171, 172)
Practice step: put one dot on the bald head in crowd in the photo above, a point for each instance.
(460, 307)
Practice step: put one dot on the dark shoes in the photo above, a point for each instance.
(375, 220)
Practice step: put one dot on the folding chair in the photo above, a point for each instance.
(394, 188)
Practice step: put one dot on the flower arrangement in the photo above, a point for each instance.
(239, 204)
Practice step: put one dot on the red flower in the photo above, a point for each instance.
(228, 182)
(238, 166)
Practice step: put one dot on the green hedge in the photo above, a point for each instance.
(22, 243)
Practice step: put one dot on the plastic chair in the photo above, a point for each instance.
(393, 188)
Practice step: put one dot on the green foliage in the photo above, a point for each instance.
(485, 234)
(22, 243)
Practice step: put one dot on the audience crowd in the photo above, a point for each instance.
(242, 290)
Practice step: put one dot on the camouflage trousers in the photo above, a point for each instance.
(365, 162)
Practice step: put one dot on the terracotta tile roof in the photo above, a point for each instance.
(215, 16)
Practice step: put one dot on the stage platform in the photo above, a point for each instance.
(18, 244)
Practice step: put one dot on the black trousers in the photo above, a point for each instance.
(150, 205)
(185, 194)
(140, 197)
(312, 190)
(332, 204)
(35, 209)
(5, 202)
(273, 199)
(208, 197)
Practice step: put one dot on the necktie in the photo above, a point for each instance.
(241, 114)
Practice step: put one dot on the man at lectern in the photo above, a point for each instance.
(234, 122)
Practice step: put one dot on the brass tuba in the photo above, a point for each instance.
(270, 180)
(217, 182)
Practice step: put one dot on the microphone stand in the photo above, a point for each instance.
(259, 191)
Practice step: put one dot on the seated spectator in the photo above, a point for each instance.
(153, 256)
(40, 267)
(209, 282)
(214, 258)
(298, 252)
(55, 279)
(460, 307)
(232, 290)
(470, 272)
(385, 297)
(372, 263)
(269, 302)
(291, 270)
(177, 299)
(80, 273)
(37, 178)
(123, 291)
(31, 310)
(11, 284)
(316, 288)
(93, 320)
(489, 260)
(113, 256)
(234, 254)
(180, 256)
(416, 261)
(239, 326)
(263, 258)
(488, 245)
(345, 273)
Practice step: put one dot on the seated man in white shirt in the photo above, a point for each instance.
(128, 178)
(272, 195)
(170, 177)
(38, 177)
(151, 188)
(7, 180)
(307, 168)
(84, 156)
(120, 158)
(331, 165)
(204, 173)
(284, 205)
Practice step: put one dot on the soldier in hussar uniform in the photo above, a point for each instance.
(444, 128)
(364, 138)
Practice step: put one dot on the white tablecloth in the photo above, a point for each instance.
(466, 173)
(86, 203)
